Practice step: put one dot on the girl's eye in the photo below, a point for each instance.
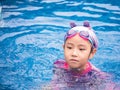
(81, 49)
(69, 47)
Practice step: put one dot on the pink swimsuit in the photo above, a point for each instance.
(90, 79)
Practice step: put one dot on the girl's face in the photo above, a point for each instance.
(77, 52)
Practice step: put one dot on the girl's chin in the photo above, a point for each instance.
(75, 64)
(74, 67)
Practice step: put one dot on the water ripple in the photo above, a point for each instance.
(8, 35)
(105, 6)
(79, 14)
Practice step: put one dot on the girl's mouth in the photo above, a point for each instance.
(73, 60)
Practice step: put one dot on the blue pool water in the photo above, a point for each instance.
(31, 38)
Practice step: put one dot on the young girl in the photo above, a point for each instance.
(75, 72)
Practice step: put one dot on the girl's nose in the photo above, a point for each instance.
(75, 53)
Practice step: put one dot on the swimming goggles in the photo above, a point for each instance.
(82, 33)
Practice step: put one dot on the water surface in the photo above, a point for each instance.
(31, 38)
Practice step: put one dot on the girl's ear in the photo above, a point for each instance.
(92, 53)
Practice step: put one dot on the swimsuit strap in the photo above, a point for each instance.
(88, 68)
(61, 64)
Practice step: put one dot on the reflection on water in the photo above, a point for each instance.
(31, 38)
